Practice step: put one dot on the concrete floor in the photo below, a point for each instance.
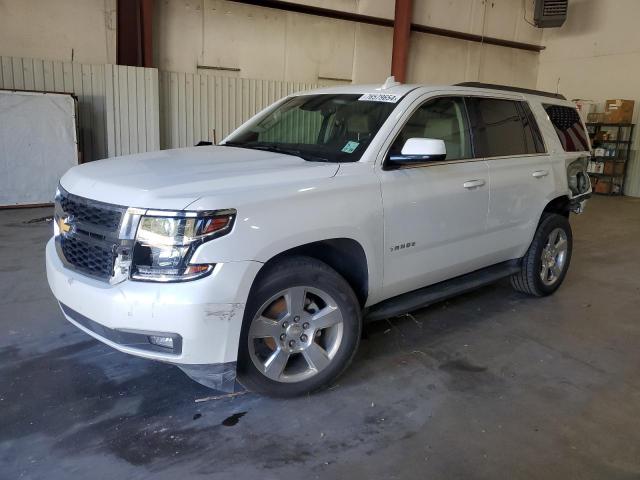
(490, 385)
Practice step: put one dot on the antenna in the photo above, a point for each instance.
(388, 83)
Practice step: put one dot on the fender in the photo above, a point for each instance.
(272, 220)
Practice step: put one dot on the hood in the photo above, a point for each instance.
(173, 179)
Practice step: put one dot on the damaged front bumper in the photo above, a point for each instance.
(221, 376)
(194, 325)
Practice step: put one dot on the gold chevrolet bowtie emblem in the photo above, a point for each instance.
(64, 225)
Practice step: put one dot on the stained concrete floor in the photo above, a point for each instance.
(490, 385)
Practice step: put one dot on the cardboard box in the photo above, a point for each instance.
(618, 111)
(608, 167)
(603, 186)
(595, 117)
(618, 169)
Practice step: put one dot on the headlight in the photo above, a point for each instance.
(165, 242)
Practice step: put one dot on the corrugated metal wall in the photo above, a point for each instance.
(123, 110)
(131, 110)
(112, 100)
(632, 179)
(192, 106)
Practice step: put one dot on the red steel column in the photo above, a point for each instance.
(401, 31)
(146, 22)
(134, 39)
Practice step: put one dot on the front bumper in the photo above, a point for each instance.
(203, 316)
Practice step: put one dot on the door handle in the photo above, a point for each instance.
(540, 173)
(473, 183)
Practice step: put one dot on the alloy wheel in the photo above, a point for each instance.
(295, 334)
(554, 257)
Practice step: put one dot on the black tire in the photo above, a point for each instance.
(529, 279)
(291, 272)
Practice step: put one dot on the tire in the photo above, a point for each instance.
(274, 328)
(532, 279)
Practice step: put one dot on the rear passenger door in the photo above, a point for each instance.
(507, 136)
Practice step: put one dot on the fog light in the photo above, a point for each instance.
(165, 342)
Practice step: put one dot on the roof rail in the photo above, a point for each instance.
(511, 89)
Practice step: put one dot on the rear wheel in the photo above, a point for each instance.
(301, 328)
(545, 264)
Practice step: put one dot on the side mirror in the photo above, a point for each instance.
(420, 150)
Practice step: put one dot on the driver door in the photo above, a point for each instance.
(435, 212)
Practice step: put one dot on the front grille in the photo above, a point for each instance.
(85, 212)
(90, 242)
(95, 260)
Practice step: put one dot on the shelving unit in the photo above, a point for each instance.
(615, 164)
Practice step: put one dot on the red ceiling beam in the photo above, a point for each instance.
(387, 22)
(401, 33)
(134, 36)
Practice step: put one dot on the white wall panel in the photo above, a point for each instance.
(124, 110)
(117, 105)
(131, 113)
(632, 180)
(86, 82)
(193, 106)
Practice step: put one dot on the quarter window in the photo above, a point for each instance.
(568, 127)
(499, 129)
(443, 119)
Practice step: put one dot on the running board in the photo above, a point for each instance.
(408, 302)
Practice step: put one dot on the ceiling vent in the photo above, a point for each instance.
(550, 13)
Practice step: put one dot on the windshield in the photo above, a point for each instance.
(329, 128)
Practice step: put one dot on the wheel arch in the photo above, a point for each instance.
(345, 255)
(560, 205)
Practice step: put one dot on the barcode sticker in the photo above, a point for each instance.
(380, 97)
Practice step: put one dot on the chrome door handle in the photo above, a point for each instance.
(473, 183)
(540, 173)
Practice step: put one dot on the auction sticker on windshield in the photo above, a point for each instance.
(350, 147)
(380, 97)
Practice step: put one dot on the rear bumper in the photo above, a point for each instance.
(204, 317)
(578, 203)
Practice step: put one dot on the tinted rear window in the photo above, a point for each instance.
(501, 128)
(568, 127)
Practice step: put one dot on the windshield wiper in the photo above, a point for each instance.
(277, 149)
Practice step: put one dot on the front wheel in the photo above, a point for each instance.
(545, 264)
(301, 328)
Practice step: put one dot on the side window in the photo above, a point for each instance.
(568, 128)
(532, 135)
(498, 130)
(444, 119)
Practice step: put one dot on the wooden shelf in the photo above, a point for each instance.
(604, 175)
(609, 124)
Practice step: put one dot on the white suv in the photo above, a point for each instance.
(264, 255)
